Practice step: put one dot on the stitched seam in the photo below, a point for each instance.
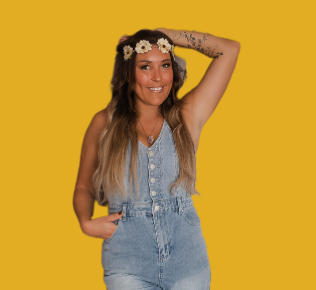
(189, 222)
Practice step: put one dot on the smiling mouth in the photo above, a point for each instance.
(156, 89)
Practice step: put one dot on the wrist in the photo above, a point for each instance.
(171, 34)
(166, 31)
(84, 224)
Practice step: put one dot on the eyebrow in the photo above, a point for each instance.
(151, 61)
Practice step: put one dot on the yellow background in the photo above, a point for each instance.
(256, 156)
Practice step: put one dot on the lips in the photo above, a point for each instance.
(156, 91)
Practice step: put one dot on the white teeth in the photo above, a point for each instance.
(155, 89)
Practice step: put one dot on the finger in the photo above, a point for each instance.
(124, 37)
(114, 216)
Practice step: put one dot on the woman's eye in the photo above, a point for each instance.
(165, 65)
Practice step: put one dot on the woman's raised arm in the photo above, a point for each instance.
(202, 100)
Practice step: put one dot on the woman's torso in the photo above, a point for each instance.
(157, 170)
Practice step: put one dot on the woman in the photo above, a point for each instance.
(138, 156)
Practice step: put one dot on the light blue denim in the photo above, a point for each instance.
(158, 242)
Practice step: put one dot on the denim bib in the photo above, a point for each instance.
(157, 170)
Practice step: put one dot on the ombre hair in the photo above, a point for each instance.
(108, 179)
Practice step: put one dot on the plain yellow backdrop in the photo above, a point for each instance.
(256, 156)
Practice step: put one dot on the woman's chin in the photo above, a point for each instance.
(153, 99)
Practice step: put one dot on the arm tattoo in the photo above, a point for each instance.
(197, 44)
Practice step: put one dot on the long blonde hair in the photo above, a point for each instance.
(108, 178)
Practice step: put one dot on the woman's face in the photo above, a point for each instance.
(153, 69)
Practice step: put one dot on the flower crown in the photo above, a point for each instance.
(144, 46)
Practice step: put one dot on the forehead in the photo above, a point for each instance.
(153, 55)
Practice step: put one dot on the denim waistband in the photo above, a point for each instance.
(146, 208)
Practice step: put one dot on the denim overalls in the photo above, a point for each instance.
(158, 242)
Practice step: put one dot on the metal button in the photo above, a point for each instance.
(152, 166)
(151, 153)
(153, 193)
(157, 207)
(152, 180)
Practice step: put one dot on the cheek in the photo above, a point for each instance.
(142, 80)
(169, 78)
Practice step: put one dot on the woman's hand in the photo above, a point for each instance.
(101, 227)
(169, 32)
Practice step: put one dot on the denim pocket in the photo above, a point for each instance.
(191, 216)
(118, 223)
(115, 222)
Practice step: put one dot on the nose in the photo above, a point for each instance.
(156, 75)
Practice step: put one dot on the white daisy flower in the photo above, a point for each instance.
(164, 45)
(143, 46)
(127, 52)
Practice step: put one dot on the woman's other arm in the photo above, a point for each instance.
(83, 199)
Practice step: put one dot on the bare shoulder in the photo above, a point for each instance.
(94, 130)
(89, 151)
(100, 119)
(191, 122)
(97, 124)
